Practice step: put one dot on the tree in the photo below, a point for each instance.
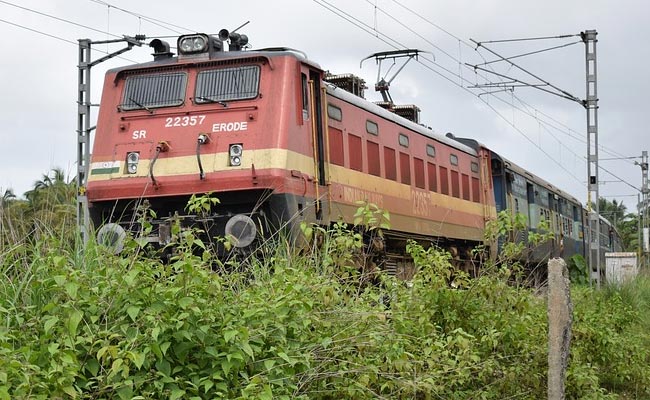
(612, 210)
(51, 204)
(53, 188)
(7, 197)
(626, 224)
(629, 231)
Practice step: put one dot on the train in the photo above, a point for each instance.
(280, 141)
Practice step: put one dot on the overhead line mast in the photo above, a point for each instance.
(83, 121)
(590, 103)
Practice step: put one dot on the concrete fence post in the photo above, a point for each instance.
(560, 318)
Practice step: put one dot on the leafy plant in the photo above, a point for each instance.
(578, 270)
(292, 325)
(371, 217)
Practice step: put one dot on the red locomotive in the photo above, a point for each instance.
(278, 142)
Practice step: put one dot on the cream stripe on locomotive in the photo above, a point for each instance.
(212, 162)
(364, 185)
(417, 225)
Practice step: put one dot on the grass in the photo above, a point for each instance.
(287, 324)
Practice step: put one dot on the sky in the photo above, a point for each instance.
(540, 132)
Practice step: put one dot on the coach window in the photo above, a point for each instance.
(453, 159)
(432, 174)
(334, 112)
(418, 170)
(305, 96)
(405, 168)
(336, 146)
(444, 180)
(464, 180)
(431, 151)
(476, 194)
(372, 128)
(403, 140)
(390, 163)
(455, 185)
(474, 167)
(356, 155)
(373, 159)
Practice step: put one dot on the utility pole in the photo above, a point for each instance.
(83, 122)
(591, 105)
(643, 207)
(640, 226)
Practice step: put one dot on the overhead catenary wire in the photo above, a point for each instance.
(387, 39)
(39, 32)
(470, 45)
(397, 44)
(153, 21)
(31, 10)
(619, 178)
(368, 29)
(75, 43)
(459, 75)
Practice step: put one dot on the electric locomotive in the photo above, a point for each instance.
(268, 134)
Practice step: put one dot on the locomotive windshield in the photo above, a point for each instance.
(155, 90)
(227, 84)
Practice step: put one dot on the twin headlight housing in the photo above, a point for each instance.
(235, 152)
(132, 160)
(192, 44)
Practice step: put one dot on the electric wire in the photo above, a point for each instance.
(39, 32)
(375, 32)
(58, 18)
(153, 21)
(31, 10)
(468, 44)
(58, 38)
(541, 122)
(448, 54)
(619, 178)
(529, 39)
(530, 53)
(386, 39)
(366, 28)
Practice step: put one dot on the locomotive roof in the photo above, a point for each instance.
(516, 168)
(273, 52)
(268, 53)
(346, 96)
(536, 179)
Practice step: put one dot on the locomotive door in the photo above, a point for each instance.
(318, 138)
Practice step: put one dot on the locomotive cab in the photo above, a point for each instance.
(239, 125)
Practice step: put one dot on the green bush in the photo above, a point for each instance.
(282, 325)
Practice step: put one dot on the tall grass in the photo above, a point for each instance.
(293, 323)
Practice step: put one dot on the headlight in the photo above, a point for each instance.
(235, 152)
(132, 160)
(112, 236)
(241, 230)
(193, 44)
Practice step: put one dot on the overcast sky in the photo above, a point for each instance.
(541, 132)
